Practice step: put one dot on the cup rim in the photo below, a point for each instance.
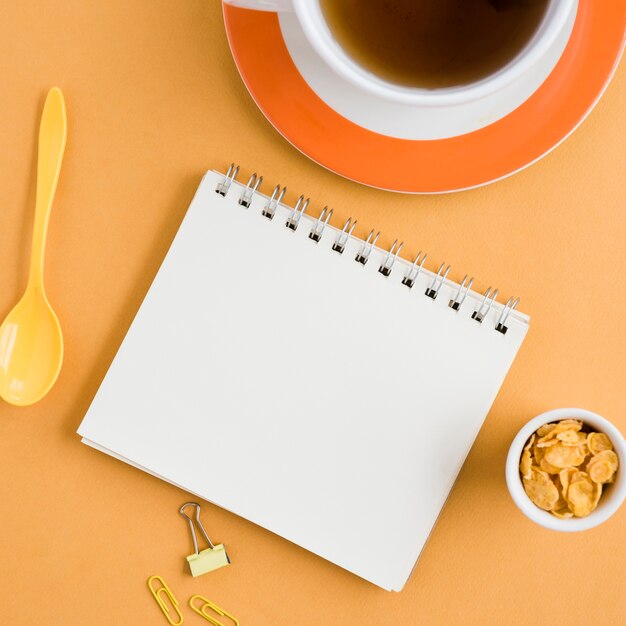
(514, 482)
(332, 53)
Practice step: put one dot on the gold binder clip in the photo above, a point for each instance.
(213, 557)
(158, 594)
(207, 605)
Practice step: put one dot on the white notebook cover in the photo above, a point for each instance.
(317, 378)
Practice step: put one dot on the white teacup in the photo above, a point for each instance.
(313, 23)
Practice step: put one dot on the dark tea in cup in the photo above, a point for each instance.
(433, 44)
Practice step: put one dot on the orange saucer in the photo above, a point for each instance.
(439, 165)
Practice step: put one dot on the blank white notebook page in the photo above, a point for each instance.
(300, 389)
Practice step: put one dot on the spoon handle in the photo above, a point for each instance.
(52, 137)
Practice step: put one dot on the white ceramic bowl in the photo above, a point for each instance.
(611, 499)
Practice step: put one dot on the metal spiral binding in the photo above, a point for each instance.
(367, 247)
(320, 225)
(344, 235)
(485, 306)
(437, 282)
(251, 188)
(390, 259)
(296, 213)
(409, 280)
(504, 315)
(461, 293)
(227, 181)
(414, 270)
(277, 197)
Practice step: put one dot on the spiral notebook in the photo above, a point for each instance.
(305, 379)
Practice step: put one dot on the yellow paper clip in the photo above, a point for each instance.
(208, 605)
(206, 560)
(158, 594)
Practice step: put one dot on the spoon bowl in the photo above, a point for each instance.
(31, 350)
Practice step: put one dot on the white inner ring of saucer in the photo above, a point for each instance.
(411, 121)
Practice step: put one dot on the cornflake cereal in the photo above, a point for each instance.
(564, 467)
(541, 490)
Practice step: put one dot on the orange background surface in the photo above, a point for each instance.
(153, 100)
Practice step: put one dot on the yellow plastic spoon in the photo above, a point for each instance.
(31, 341)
